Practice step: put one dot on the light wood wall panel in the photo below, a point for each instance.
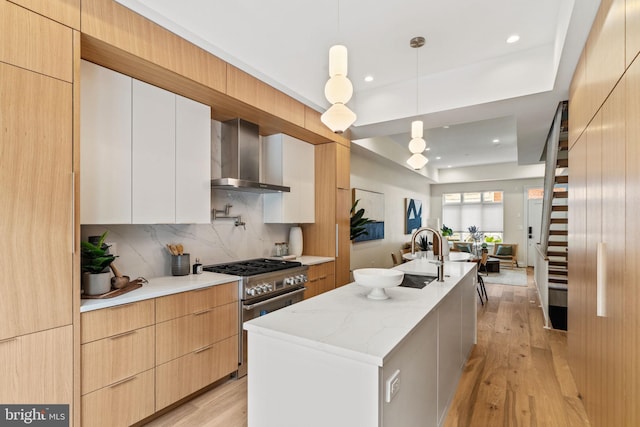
(633, 29)
(35, 202)
(110, 22)
(578, 107)
(577, 327)
(24, 47)
(631, 342)
(66, 12)
(343, 260)
(613, 226)
(605, 52)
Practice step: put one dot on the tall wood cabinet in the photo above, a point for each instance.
(329, 235)
(603, 317)
(36, 201)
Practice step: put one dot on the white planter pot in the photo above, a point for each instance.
(96, 284)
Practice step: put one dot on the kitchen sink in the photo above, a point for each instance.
(417, 281)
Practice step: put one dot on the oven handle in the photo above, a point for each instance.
(270, 300)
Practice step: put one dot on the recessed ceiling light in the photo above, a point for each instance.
(513, 38)
(495, 141)
(448, 166)
(446, 127)
(427, 149)
(438, 158)
(368, 78)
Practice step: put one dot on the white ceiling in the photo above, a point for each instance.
(466, 76)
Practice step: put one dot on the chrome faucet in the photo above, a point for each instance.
(440, 261)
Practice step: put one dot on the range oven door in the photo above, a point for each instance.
(251, 311)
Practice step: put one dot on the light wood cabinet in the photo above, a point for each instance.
(290, 162)
(35, 43)
(116, 358)
(36, 368)
(98, 324)
(117, 365)
(36, 223)
(196, 340)
(321, 278)
(196, 331)
(66, 12)
(146, 152)
(329, 235)
(184, 303)
(120, 404)
(195, 370)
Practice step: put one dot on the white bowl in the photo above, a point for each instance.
(378, 279)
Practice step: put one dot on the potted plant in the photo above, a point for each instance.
(446, 231)
(423, 243)
(95, 261)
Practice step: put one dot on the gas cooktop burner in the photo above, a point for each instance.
(252, 267)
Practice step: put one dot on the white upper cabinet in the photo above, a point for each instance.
(290, 162)
(193, 162)
(146, 152)
(105, 137)
(154, 159)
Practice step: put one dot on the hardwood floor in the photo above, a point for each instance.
(517, 375)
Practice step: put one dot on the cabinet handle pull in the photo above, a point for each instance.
(322, 277)
(126, 380)
(205, 348)
(73, 213)
(117, 307)
(124, 334)
(601, 280)
(314, 280)
(8, 340)
(200, 313)
(202, 289)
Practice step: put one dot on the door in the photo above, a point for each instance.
(534, 222)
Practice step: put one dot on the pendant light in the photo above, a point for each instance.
(417, 144)
(338, 89)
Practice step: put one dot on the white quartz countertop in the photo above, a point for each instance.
(158, 287)
(312, 260)
(345, 322)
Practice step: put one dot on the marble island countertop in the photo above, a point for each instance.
(346, 323)
(158, 287)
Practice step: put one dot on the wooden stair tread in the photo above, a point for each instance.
(562, 179)
(560, 194)
(558, 272)
(559, 221)
(561, 254)
(562, 163)
(558, 280)
(560, 208)
(557, 243)
(558, 232)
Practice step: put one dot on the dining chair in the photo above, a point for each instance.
(394, 258)
(483, 263)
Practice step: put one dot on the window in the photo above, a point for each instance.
(482, 209)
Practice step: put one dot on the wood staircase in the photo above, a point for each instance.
(556, 238)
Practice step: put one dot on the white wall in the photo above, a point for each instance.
(514, 205)
(373, 173)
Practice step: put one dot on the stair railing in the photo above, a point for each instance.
(553, 141)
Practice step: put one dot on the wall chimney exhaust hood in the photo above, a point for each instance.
(241, 160)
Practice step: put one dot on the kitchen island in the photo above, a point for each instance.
(341, 359)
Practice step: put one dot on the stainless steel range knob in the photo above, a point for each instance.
(251, 292)
(258, 289)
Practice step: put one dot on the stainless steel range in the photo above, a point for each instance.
(266, 285)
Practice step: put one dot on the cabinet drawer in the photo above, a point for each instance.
(320, 271)
(112, 359)
(177, 305)
(183, 335)
(106, 322)
(195, 371)
(120, 404)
